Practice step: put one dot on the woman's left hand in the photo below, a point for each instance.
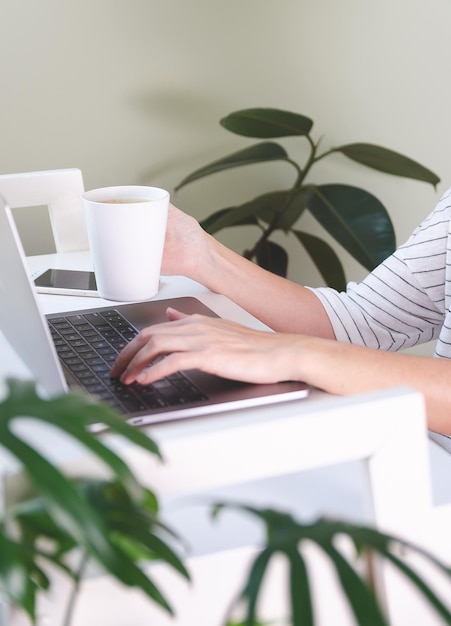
(213, 345)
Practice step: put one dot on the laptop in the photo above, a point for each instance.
(75, 350)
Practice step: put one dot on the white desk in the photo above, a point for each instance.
(254, 454)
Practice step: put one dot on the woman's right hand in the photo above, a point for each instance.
(190, 251)
(185, 247)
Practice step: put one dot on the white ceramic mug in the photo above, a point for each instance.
(126, 229)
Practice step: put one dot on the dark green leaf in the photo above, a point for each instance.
(284, 533)
(34, 521)
(423, 587)
(73, 413)
(282, 529)
(244, 214)
(157, 549)
(133, 521)
(325, 259)
(388, 161)
(133, 526)
(301, 599)
(78, 521)
(280, 208)
(79, 409)
(66, 506)
(133, 576)
(267, 123)
(361, 599)
(267, 206)
(290, 207)
(381, 542)
(15, 580)
(254, 583)
(272, 257)
(363, 537)
(357, 220)
(226, 218)
(259, 153)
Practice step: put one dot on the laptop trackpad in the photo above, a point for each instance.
(142, 314)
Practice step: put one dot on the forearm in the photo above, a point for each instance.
(348, 369)
(281, 304)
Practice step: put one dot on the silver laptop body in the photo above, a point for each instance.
(27, 330)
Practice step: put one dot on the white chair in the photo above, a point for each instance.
(60, 191)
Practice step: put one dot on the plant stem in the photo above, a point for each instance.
(302, 173)
(326, 154)
(74, 593)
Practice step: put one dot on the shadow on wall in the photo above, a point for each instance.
(181, 126)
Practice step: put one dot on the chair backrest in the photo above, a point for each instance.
(60, 191)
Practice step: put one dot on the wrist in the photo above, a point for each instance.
(209, 268)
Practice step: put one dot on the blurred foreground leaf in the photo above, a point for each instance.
(113, 522)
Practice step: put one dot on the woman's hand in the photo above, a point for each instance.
(209, 344)
(227, 349)
(184, 244)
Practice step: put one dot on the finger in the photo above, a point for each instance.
(129, 352)
(144, 354)
(170, 364)
(150, 337)
(174, 315)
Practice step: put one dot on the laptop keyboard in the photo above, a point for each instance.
(89, 343)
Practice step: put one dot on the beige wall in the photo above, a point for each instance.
(131, 91)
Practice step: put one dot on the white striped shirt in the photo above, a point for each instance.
(405, 301)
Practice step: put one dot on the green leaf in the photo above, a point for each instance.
(286, 534)
(267, 123)
(361, 599)
(388, 161)
(64, 502)
(272, 257)
(125, 522)
(381, 542)
(301, 599)
(15, 580)
(226, 218)
(325, 259)
(132, 524)
(282, 529)
(424, 589)
(254, 583)
(290, 206)
(133, 576)
(267, 206)
(282, 208)
(78, 521)
(357, 220)
(259, 153)
(73, 413)
(157, 549)
(234, 216)
(34, 521)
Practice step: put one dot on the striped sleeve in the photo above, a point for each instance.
(404, 300)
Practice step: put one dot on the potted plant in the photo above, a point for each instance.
(355, 218)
